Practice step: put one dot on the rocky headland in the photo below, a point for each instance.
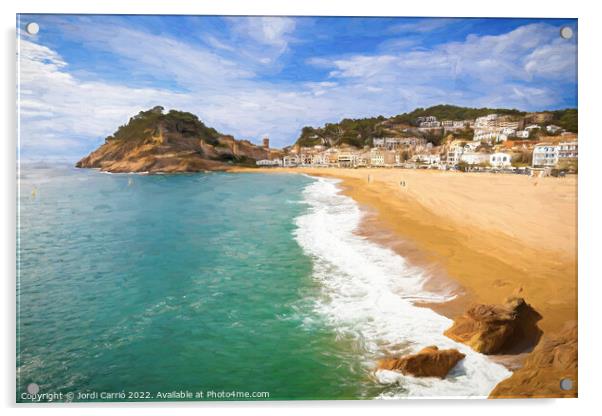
(154, 141)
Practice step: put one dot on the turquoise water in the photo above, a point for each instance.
(159, 283)
(229, 285)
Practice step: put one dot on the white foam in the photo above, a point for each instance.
(368, 293)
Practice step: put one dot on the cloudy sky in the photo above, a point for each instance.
(82, 76)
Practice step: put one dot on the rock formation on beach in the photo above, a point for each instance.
(554, 359)
(176, 141)
(428, 362)
(493, 329)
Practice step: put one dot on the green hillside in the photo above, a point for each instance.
(146, 124)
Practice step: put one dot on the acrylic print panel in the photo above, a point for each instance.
(296, 208)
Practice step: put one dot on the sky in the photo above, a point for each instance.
(82, 76)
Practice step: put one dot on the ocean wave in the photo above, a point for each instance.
(368, 292)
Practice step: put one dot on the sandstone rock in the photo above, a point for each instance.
(428, 362)
(491, 329)
(554, 359)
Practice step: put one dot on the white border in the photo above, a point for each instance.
(590, 209)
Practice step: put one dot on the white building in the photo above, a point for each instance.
(553, 129)
(291, 161)
(305, 159)
(522, 134)
(268, 162)
(568, 150)
(347, 159)
(412, 141)
(454, 153)
(381, 158)
(485, 136)
(545, 155)
(485, 121)
(320, 159)
(474, 158)
(377, 157)
(392, 143)
(500, 160)
(427, 159)
(378, 142)
(430, 124)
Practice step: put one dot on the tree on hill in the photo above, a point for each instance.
(146, 124)
(567, 119)
(452, 112)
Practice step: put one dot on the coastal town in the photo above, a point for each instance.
(498, 143)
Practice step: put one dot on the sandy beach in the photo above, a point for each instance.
(483, 236)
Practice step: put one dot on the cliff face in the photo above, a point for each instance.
(554, 359)
(154, 141)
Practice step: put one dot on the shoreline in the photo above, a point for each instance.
(483, 237)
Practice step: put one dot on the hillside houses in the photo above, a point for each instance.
(498, 142)
(555, 155)
(494, 128)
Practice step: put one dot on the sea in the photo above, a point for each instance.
(215, 286)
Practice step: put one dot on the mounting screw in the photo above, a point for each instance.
(32, 28)
(566, 32)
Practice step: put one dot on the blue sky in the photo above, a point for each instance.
(82, 76)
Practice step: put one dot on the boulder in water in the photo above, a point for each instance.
(428, 362)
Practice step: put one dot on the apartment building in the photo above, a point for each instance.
(454, 153)
(553, 129)
(500, 160)
(381, 157)
(347, 159)
(568, 150)
(291, 160)
(545, 155)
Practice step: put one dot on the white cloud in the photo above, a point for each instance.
(486, 58)
(263, 39)
(557, 60)
(274, 31)
(491, 66)
(186, 63)
(59, 112)
(421, 25)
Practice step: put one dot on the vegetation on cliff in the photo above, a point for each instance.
(452, 112)
(147, 124)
